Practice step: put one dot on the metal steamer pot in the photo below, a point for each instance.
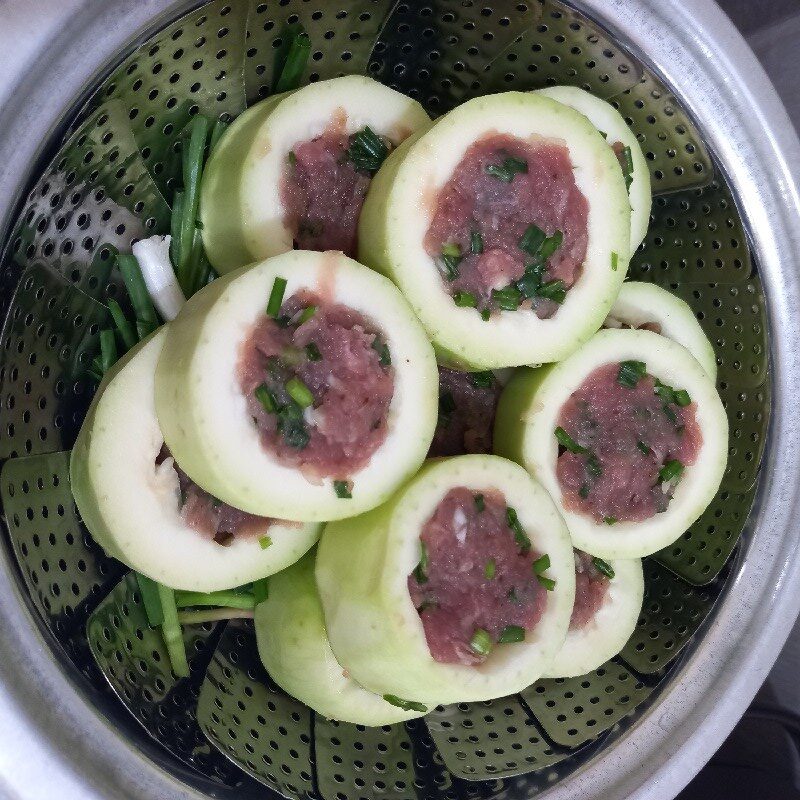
(92, 109)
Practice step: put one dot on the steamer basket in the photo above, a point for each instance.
(90, 153)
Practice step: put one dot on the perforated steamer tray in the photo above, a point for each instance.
(227, 730)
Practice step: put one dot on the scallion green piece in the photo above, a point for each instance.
(451, 249)
(193, 156)
(480, 502)
(465, 299)
(627, 167)
(171, 630)
(532, 240)
(630, 373)
(124, 327)
(583, 492)
(276, 297)
(421, 570)
(342, 489)
(604, 568)
(511, 634)
(508, 169)
(220, 126)
(542, 564)
(553, 290)
(292, 158)
(507, 298)
(643, 448)
(670, 471)
(485, 314)
(548, 583)
(451, 258)
(520, 537)
(610, 520)
(382, 349)
(593, 466)
(682, 397)
(290, 59)
(264, 542)
(151, 601)
(264, 396)
(481, 642)
(299, 392)
(490, 569)
(108, 350)
(566, 441)
(306, 314)
(227, 599)
(312, 352)
(367, 151)
(550, 245)
(614, 261)
(406, 705)
(475, 242)
(483, 380)
(146, 317)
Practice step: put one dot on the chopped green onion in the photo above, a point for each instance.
(507, 298)
(490, 569)
(614, 261)
(264, 542)
(382, 349)
(451, 261)
(512, 595)
(300, 393)
(312, 352)
(220, 126)
(610, 520)
(481, 642)
(630, 373)
(226, 598)
(124, 327)
(644, 448)
(264, 396)
(421, 570)
(367, 151)
(306, 314)
(520, 537)
(550, 245)
(603, 567)
(584, 490)
(508, 169)
(566, 441)
(480, 503)
(529, 284)
(108, 350)
(290, 59)
(682, 397)
(406, 705)
(451, 249)
(532, 240)
(475, 242)
(465, 300)
(171, 630)
(485, 314)
(146, 317)
(291, 425)
(671, 470)
(548, 583)
(276, 297)
(593, 466)
(669, 414)
(292, 158)
(511, 634)
(148, 589)
(627, 167)
(484, 380)
(342, 489)
(553, 290)
(542, 564)
(260, 590)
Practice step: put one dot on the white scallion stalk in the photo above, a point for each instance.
(153, 257)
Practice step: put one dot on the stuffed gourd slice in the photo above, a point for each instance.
(293, 645)
(626, 148)
(506, 225)
(645, 305)
(147, 513)
(294, 170)
(460, 588)
(301, 388)
(608, 601)
(628, 435)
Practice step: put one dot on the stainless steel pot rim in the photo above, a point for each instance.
(56, 740)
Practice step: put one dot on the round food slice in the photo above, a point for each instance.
(628, 435)
(302, 388)
(145, 511)
(507, 227)
(460, 588)
(626, 148)
(645, 305)
(294, 170)
(293, 645)
(608, 601)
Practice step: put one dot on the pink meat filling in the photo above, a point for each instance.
(590, 590)
(629, 436)
(210, 516)
(467, 406)
(476, 203)
(477, 576)
(343, 361)
(322, 194)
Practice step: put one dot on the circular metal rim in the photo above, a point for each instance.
(742, 118)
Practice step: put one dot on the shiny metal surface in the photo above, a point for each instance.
(759, 604)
